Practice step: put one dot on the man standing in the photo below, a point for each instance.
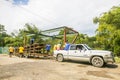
(59, 46)
(11, 50)
(21, 50)
(32, 41)
(48, 46)
(67, 45)
(55, 47)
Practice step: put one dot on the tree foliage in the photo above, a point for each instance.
(23, 36)
(108, 32)
(30, 31)
(3, 34)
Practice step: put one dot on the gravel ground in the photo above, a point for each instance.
(48, 69)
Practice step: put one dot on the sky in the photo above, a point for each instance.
(48, 14)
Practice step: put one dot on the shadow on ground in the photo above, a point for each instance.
(78, 62)
(89, 64)
(110, 66)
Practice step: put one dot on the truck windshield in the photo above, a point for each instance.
(87, 47)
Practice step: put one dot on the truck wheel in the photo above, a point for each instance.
(60, 58)
(97, 61)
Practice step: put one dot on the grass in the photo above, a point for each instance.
(117, 59)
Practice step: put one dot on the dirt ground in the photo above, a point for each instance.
(48, 69)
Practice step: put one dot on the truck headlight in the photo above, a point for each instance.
(107, 55)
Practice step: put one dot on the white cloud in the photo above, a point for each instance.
(47, 14)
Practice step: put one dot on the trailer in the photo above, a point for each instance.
(36, 50)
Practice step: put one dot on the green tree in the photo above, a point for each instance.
(3, 34)
(107, 34)
(32, 29)
(23, 36)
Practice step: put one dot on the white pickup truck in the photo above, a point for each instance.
(82, 52)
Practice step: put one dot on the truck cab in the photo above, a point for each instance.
(83, 52)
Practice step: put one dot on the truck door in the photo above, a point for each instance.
(78, 52)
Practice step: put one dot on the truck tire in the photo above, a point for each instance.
(60, 58)
(97, 61)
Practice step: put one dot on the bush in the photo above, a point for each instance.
(117, 59)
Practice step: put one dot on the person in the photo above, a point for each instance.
(48, 46)
(21, 51)
(32, 41)
(55, 47)
(78, 48)
(58, 46)
(67, 45)
(11, 50)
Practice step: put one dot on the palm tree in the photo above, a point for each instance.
(30, 31)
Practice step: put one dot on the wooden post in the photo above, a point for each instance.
(64, 35)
